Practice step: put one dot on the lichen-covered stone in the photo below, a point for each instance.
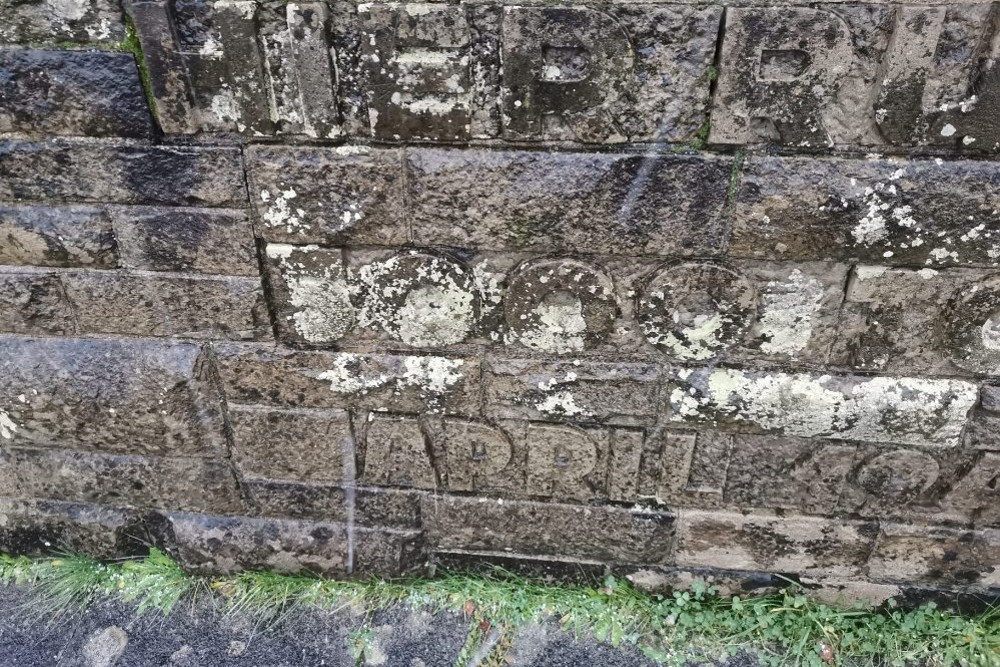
(57, 236)
(548, 529)
(88, 93)
(929, 213)
(80, 21)
(662, 204)
(310, 295)
(108, 395)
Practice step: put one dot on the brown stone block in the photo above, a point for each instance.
(296, 444)
(186, 239)
(929, 213)
(57, 236)
(43, 527)
(153, 304)
(381, 382)
(585, 202)
(113, 173)
(909, 553)
(796, 545)
(108, 395)
(327, 195)
(365, 506)
(34, 303)
(211, 544)
(132, 481)
(570, 531)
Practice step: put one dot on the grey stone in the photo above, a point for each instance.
(315, 74)
(548, 529)
(108, 395)
(245, 85)
(57, 236)
(82, 21)
(90, 93)
(109, 172)
(37, 527)
(920, 212)
(931, 554)
(365, 506)
(151, 304)
(210, 544)
(396, 453)
(627, 204)
(105, 648)
(34, 303)
(185, 239)
(294, 444)
(382, 382)
(327, 195)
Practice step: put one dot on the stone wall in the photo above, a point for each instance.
(356, 288)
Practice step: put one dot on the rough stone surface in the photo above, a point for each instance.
(81, 21)
(63, 236)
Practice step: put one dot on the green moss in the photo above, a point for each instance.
(132, 45)
(698, 625)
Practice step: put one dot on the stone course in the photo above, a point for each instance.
(361, 288)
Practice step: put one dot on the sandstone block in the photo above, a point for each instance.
(622, 204)
(920, 212)
(798, 545)
(57, 236)
(575, 531)
(381, 382)
(106, 172)
(943, 556)
(89, 93)
(108, 395)
(365, 506)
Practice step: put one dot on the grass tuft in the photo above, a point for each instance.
(694, 626)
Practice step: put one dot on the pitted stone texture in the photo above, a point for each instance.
(296, 444)
(34, 303)
(89, 93)
(64, 236)
(43, 527)
(617, 204)
(106, 172)
(917, 321)
(581, 391)
(151, 304)
(310, 295)
(209, 544)
(771, 543)
(80, 21)
(902, 410)
(696, 311)
(381, 382)
(132, 481)
(619, 73)
(396, 453)
(107, 395)
(327, 195)
(912, 553)
(544, 529)
(185, 239)
(315, 73)
(685, 468)
(366, 506)
(921, 212)
(559, 306)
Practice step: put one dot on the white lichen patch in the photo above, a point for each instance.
(562, 403)
(560, 329)
(319, 295)
(789, 307)
(431, 376)
(7, 426)
(991, 333)
(434, 375)
(909, 411)
(279, 212)
(345, 376)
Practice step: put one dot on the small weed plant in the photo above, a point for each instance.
(687, 627)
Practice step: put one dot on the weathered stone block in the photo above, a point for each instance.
(300, 444)
(773, 544)
(64, 236)
(90, 93)
(381, 382)
(185, 239)
(44, 527)
(326, 195)
(574, 531)
(106, 172)
(396, 453)
(34, 303)
(685, 468)
(664, 204)
(314, 72)
(151, 304)
(902, 410)
(364, 506)
(108, 395)
(221, 544)
(132, 481)
(918, 212)
(81, 21)
(974, 494)
(588, 391)
(310, 293)
(909, 553)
